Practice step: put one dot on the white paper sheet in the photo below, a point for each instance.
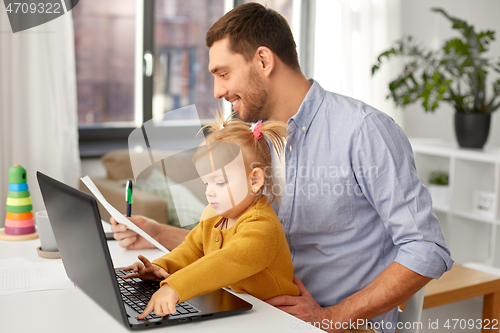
(119, 216)
(19, 275)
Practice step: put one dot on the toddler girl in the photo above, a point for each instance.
(239, 242)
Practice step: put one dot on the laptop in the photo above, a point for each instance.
(81, 241)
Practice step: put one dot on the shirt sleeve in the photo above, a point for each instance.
(186, 253)
(250, 250)
(398, 195)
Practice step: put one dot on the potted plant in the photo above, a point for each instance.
(455, 74)
(438, 188)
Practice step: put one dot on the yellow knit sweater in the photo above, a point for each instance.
(250, 257)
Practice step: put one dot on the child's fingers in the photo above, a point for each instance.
(162, 309)
(128, 268)
(147, 310)
(131, 275)
(145, 260)
(171, 307)
(159, 309)
(135, 267)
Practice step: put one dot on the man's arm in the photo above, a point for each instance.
(395, 285)
(392, 287)
(171, 236)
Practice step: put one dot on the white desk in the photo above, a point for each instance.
(62, 311)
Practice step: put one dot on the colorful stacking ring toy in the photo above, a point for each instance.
(19, 219)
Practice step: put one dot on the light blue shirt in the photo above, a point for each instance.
(353, 202)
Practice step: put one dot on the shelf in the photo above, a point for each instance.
(474, 216)
(474, 182)
(451, 149)
(426, 164)
(441, 208)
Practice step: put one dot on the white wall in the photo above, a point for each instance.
(431, 29)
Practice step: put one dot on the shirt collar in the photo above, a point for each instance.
(309, 107)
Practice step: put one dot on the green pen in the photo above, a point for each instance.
(128, 197)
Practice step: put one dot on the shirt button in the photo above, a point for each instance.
(216, 238)
(290, 147)
(304, 128)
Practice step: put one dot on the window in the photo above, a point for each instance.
(104, 47)
(137, 59)
(172, 47)
(284, 7)
(181, 76)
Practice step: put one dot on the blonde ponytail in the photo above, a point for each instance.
(276, 132)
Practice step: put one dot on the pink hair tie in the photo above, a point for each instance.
(256, 129)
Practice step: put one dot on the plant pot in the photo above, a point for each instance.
(472, 129)
(440, 195)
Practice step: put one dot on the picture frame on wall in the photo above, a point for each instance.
(484, 203)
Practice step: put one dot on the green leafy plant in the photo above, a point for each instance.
(438, 178)
(454, 74)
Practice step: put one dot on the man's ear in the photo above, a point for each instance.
(256, 180)
(265, 59)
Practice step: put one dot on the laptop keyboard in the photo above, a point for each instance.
(136, 293)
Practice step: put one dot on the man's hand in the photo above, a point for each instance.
(162, 302)
(303, 307)
(145, 270)
(130, 239)
(166, 235)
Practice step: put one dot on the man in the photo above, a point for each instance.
(359, 222)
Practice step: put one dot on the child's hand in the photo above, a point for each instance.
(146, 271)
(163, 302)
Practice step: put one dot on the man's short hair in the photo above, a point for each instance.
(252, 25)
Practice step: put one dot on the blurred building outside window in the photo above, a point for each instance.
(106, 60)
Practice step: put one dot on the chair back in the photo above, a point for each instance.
(410, 320)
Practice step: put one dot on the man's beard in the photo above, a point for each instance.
(255, 100)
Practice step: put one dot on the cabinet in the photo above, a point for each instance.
(471, 217)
